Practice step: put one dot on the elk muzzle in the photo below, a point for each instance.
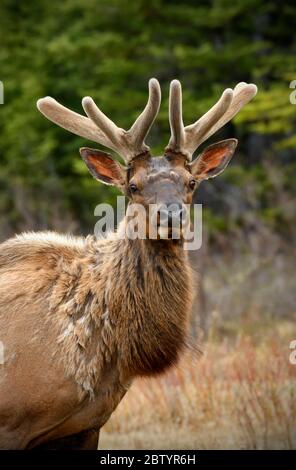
(172, 220)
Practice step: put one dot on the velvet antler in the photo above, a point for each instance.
(99, 128)
(185, 140)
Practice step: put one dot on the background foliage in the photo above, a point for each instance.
(109, 49)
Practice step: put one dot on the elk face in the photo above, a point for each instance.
(162, 186)
(158, 189)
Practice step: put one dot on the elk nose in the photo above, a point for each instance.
(173, 213)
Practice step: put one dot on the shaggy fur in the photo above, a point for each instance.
(80, 318)
(104, 311)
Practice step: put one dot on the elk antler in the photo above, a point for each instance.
(185, 140)
(99, 128)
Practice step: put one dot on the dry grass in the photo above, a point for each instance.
(240, 395)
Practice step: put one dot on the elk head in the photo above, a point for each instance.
(168, 182)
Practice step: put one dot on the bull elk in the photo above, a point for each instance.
(81, 318)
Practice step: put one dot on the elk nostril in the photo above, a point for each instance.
(183, 213)
(178, 211)
(179, 215)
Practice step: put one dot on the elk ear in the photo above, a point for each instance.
(103, 167)
(213, 160)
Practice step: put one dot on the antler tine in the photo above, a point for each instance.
(243, 93)
(143, 123)
(99, 128)
(175, 117)
(186, 140)
(69, 120)
(196, 131)
(101, 120)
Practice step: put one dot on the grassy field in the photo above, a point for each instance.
(241, 394)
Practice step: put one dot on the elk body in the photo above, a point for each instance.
(81, 318)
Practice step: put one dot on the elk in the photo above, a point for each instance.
(81, 318)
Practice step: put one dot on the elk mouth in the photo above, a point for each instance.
(169, 233)
(172, 228)
(166, 233)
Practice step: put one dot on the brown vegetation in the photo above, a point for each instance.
(240, 395)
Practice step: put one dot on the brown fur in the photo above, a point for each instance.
(91, 307)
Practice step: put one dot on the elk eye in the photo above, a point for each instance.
(192, 184)
(133, 187)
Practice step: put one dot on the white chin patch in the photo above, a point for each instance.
(163, 232)
(166, 234)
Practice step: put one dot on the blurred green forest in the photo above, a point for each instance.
(109, 49)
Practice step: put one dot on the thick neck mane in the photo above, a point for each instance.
(149, 301)
(120, 304)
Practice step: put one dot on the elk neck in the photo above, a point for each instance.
(148, 300)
